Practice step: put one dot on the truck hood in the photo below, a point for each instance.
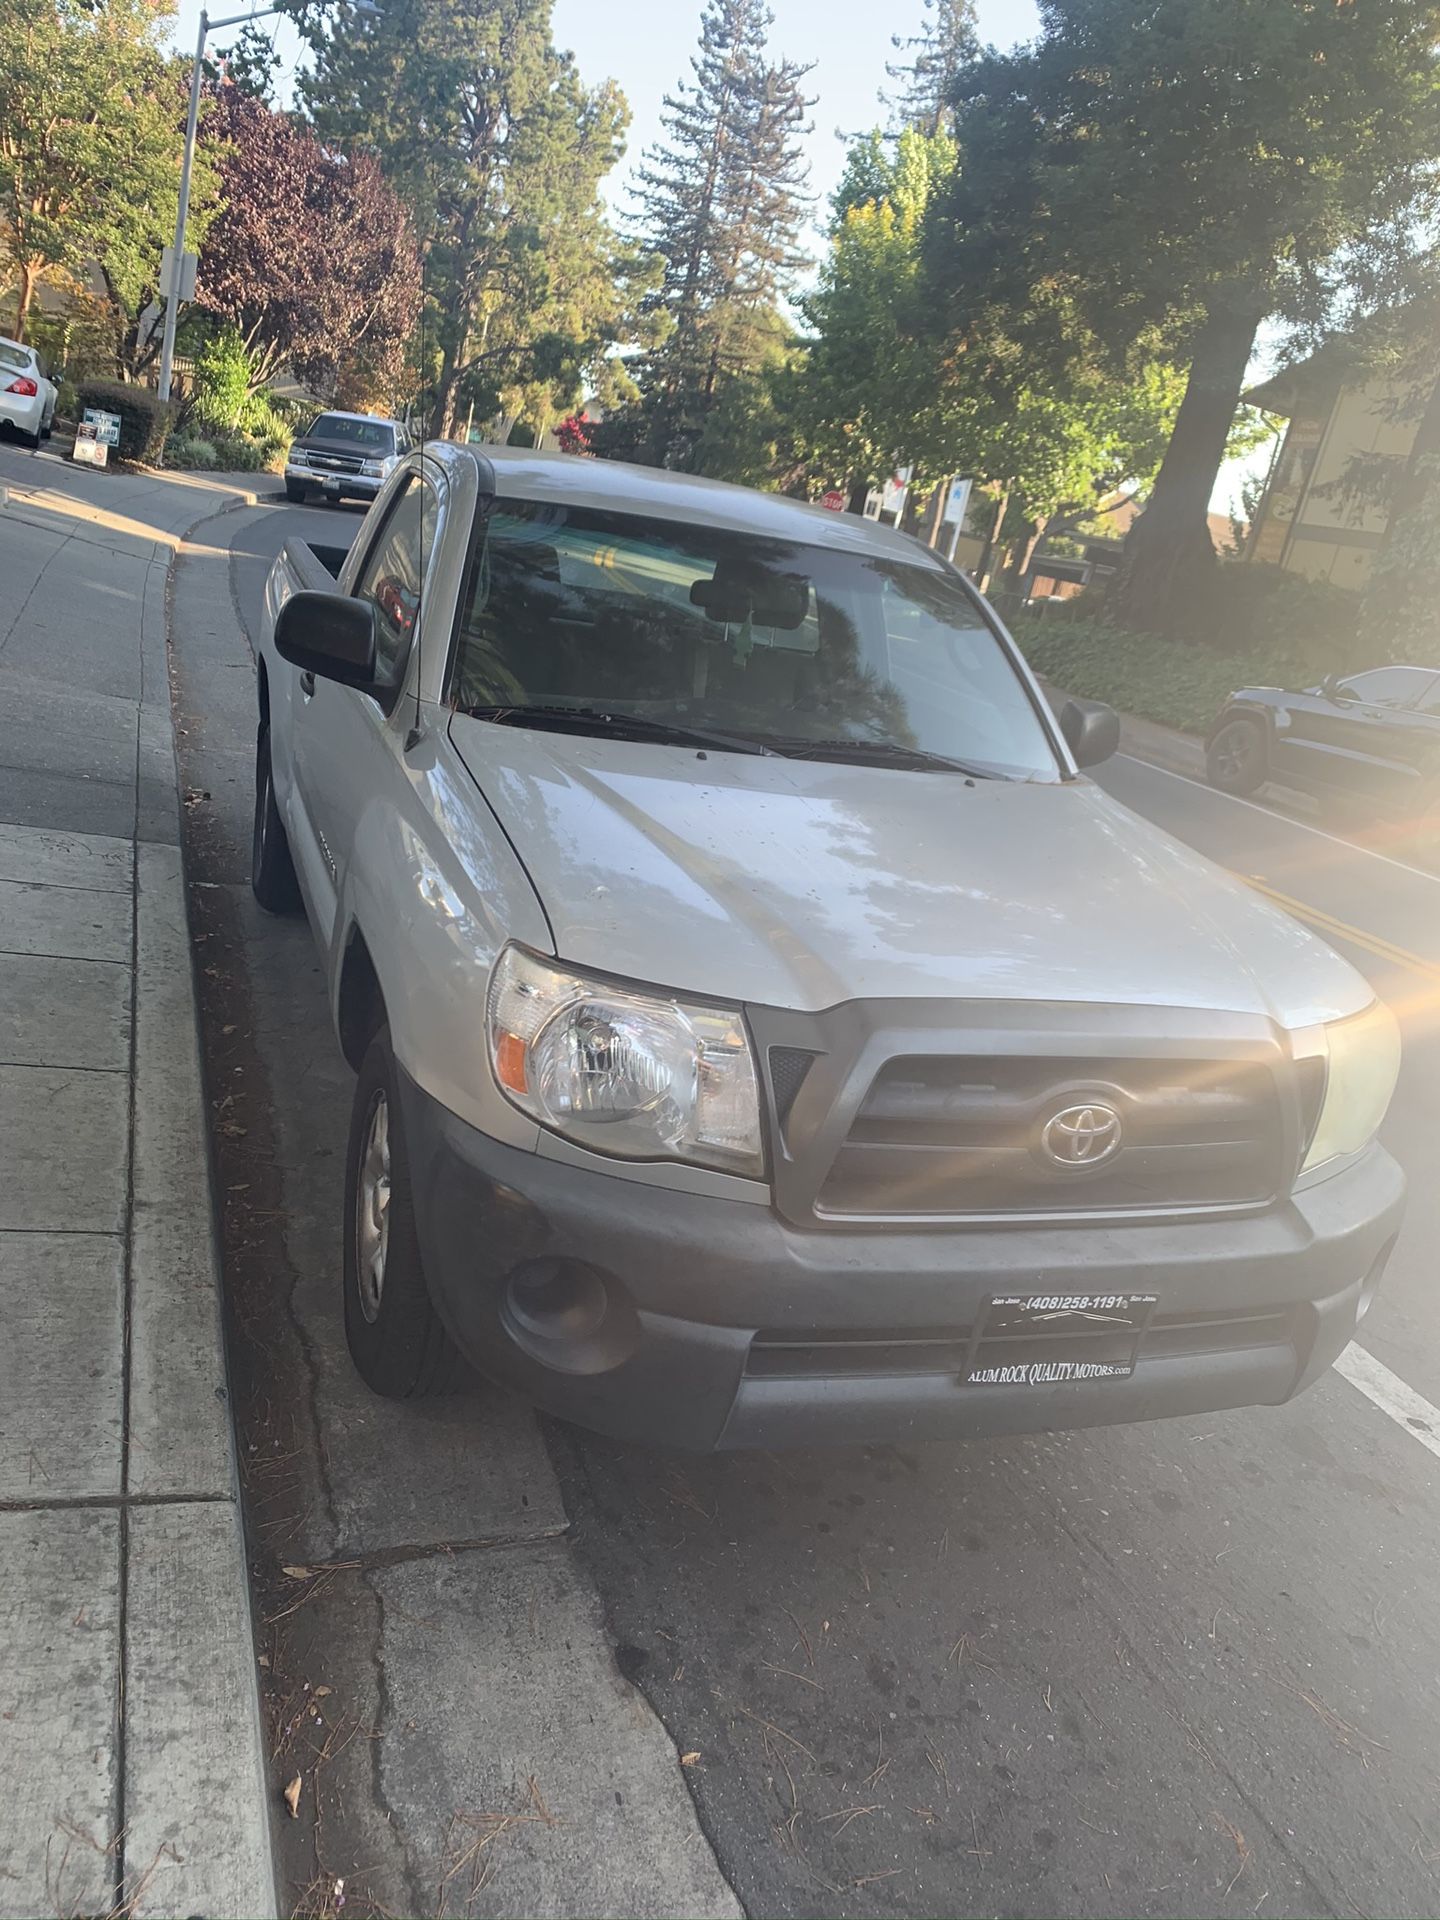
(801, 884)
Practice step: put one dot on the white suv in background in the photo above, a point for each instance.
(27, 393)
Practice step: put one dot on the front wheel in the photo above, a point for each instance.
(1236, 759)
(272, 871)
(295, 493)
(396, 1339)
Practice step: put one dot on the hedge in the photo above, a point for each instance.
(1245, 626)
(144, 418)
(1177, 682)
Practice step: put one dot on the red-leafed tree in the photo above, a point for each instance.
(573, 433)
(312, 258)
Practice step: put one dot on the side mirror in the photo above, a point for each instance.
(328, 634)
(1091, 730)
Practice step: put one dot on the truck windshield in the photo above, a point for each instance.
(805, 650)
(374, 436)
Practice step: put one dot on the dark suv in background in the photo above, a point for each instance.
(1368, 742)
(344, 456)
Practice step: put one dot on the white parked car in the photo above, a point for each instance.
(27, 393)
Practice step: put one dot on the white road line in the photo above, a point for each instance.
(1302, 826)
(1389, 1392)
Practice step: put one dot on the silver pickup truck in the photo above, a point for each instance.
(764, 1032)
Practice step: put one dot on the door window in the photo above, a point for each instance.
(1385, 686)
(393, 576)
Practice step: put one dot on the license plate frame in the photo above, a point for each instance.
(1038, 1340)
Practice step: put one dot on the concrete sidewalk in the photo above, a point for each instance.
(130, 1752)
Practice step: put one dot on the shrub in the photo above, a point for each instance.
(220, 390)
(189, 450)
(1175, 682)
(144, 418)
(225, 453)
(1243, 606)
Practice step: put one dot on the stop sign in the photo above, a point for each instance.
(834, 501)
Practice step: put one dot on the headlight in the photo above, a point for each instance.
(377, 469)
(1363, 1065)
(298, 457)
(621, 1071)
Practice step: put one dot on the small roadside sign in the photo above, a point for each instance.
(106, 425)
(90, 451)
(834, 501)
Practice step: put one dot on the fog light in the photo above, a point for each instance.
(569, 1316)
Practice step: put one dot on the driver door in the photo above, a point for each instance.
(347, 743)
(1347, 738)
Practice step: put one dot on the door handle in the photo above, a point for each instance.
(307, 685)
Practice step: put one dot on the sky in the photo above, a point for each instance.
(646, 46)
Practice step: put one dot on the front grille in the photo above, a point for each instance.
(958, 1135)
(881, 1353)
(334, 462)
(788, 1068)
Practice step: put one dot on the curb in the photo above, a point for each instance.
(249, 1771)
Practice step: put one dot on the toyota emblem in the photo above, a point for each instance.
(1082, 1136)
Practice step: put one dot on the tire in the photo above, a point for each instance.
(32, 440)
(296, 494)
(1237, 760)
(396, 1339)
(272, 871)
(47, 429)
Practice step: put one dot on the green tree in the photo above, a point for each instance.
(868, 392)
(1187, 167)
(927, 78)
(722, 203)
(881, 391)
(487, 130)
(90, 115)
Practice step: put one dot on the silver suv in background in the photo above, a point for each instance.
(764, 1031)
(344, 456)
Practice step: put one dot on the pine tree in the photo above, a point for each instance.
(946, 43)
(488, 132)
(722, 203)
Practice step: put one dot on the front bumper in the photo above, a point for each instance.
(660, 1315)
(335, 486)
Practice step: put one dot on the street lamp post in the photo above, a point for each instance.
(360, 8)
(182, 213)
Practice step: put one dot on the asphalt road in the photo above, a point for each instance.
(1191, 1668)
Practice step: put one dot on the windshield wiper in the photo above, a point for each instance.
(601, 720)
(889, 753)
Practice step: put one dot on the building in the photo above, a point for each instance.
(1340, 424)
(1090, 555)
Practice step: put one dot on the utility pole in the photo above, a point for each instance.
(187, 165)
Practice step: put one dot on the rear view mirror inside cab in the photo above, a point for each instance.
(737, 593)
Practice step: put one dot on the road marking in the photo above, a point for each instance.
(1389, 1392)
(1285, 819)
(1342, 929)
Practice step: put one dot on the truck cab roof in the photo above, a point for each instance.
(610, 486)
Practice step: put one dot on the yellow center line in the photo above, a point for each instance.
(1342, 930)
